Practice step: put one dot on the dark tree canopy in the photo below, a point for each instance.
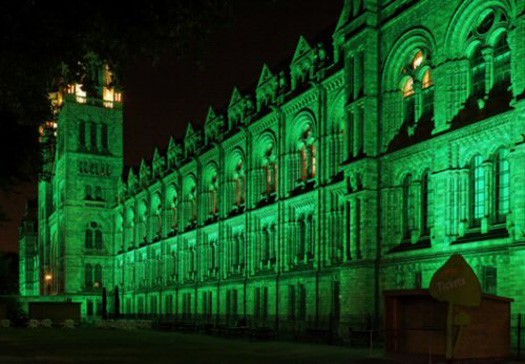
(45, 44)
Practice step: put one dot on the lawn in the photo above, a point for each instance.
(99, 345)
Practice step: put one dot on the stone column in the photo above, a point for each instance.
(488, 57)
(515, 39)
(516, 217)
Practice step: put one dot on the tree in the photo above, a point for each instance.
(48, 44)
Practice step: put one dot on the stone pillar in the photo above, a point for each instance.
(488, 57)
(516, 218)
(515, 39)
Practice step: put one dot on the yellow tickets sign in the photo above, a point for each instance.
(455, 282)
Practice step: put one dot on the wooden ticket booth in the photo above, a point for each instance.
(417, 323)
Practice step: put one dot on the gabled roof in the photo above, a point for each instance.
(236, 97)
(266, 75)
(211, 115)
(303, 47)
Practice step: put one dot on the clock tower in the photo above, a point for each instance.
(83, 156)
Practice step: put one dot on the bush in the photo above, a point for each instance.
(46, 323)
(5, 323)
(32, 324)
(68, 324)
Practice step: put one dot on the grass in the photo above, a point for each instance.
(91, 345)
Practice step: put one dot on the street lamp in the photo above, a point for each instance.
(48, 278)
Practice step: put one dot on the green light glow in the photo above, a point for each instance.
(310, 197)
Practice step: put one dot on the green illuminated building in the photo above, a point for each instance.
(360, 168)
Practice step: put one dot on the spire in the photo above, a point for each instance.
(345, 15)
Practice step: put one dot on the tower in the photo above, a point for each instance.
(82, 153)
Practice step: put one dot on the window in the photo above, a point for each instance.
(82, 135)
(88, 276)
(89, 239)
(490, 279)
(94, 237)
(104, 138)
(502, 185)
(409, 111)
(93, 140)
(478, 190)
(89, 196)
(502, 64)
(98, 193)
(477, 72)
(417, 89)
(99, 242)
(98, 276)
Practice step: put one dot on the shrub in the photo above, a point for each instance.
(68, 324)
(5, 323)
(46, 323)
(32, 324)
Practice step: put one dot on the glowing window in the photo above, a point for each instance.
(408, 89)
(427, 79)
(418, 60)
(80, 94)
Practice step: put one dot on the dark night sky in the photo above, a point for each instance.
(160, 101)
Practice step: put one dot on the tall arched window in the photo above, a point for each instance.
(89, 239)
(478, 191)
(98, 276)
(409, 112)
(477, 72)
(88, 276)
(418, 90)
(93, 236)
(308, 153)
(502, 185)
(502, 64)
(82, 135)
(89, 194)
(99, 241)
(93, 137)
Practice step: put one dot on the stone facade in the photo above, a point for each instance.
(359, 169)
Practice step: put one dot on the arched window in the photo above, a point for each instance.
(98, 193)
(214, 187)
(418, 90)
(93, 237)
(88, 276)
(98, 276)
(478, 191)
(82, 135)
(409, 112)
(308, 153)
(266, 245)
(99, 241)
(502, 185)
(270, 163)
(104, 138)
(240, 181)
(427, 107)
(477, 72)
(93, 138)
(89, 239)
(502, 64)
(89, 195)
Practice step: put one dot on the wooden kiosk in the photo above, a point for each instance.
(416, 323)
